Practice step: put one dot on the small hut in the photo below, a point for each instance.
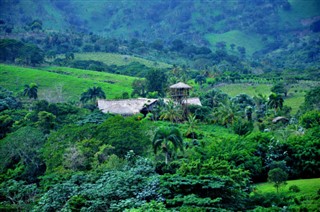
(180, 92)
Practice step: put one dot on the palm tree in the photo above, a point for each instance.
(226, 114)
(171, 112)
(275, 102)
(31, 91)
(165, 138)
(192, 124)
(92, 94)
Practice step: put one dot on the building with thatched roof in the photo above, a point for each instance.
(128, 107)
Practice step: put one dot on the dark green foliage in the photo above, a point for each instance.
(165, 138)
(7, 100)
(139, 88)
(46, 121)
(16, 51)
(5, 125)
(92, 94)
(115, 190)
(275, 102)
(294, 188)
(18, 193)
(277, 176)
(280, 88)
(20, 155)
(124, 135)
(66, 137)
(210, 184)
(310, 119)
(305, 154)
(156, 81)
(312, 99)
(213, 97)
(96, 117)
(31, 91)
(267, 200)
(243, 101)
(242, 127)
(200, 112)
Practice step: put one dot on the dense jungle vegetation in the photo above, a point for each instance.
(253, 145)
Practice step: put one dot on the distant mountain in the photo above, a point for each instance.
(259, 28)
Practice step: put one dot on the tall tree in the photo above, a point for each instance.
(92, 94)
(31, 91)
(156, 81)
(166, 137)
(278, 177)
(171, 112)
(226, 114)
(280, 88)
(275, 102)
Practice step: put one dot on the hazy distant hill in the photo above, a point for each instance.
(195, 20)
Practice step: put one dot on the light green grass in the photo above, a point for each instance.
(72, 81)
(308, 187)
(252, 42)
(118, 59)
(252, 90)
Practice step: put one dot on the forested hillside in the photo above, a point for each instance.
(159, 105)
(279, 34)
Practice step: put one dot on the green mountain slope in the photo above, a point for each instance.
(67, 82)
(167, 20)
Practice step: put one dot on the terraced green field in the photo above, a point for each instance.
(69, 82)
(118, 59)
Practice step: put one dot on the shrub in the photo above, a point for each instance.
(294, 188)
(242, 127)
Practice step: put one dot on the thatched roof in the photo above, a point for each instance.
(180, 85)
(280, 118)
(124, 106)
(128, 107)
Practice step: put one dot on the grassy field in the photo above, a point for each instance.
(307, 198)
(308, 187)
(68, 82)
(251, 42)
(118, 59)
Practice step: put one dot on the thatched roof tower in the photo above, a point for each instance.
(180, 92)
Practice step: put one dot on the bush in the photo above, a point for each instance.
(242, 127)
(294, 188)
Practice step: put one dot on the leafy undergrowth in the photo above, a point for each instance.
(118, 59)
(67, 82)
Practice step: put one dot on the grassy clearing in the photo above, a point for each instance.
(300, 9)
(308, 187)
(72, 81)
(251, 42)
(118, 59)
